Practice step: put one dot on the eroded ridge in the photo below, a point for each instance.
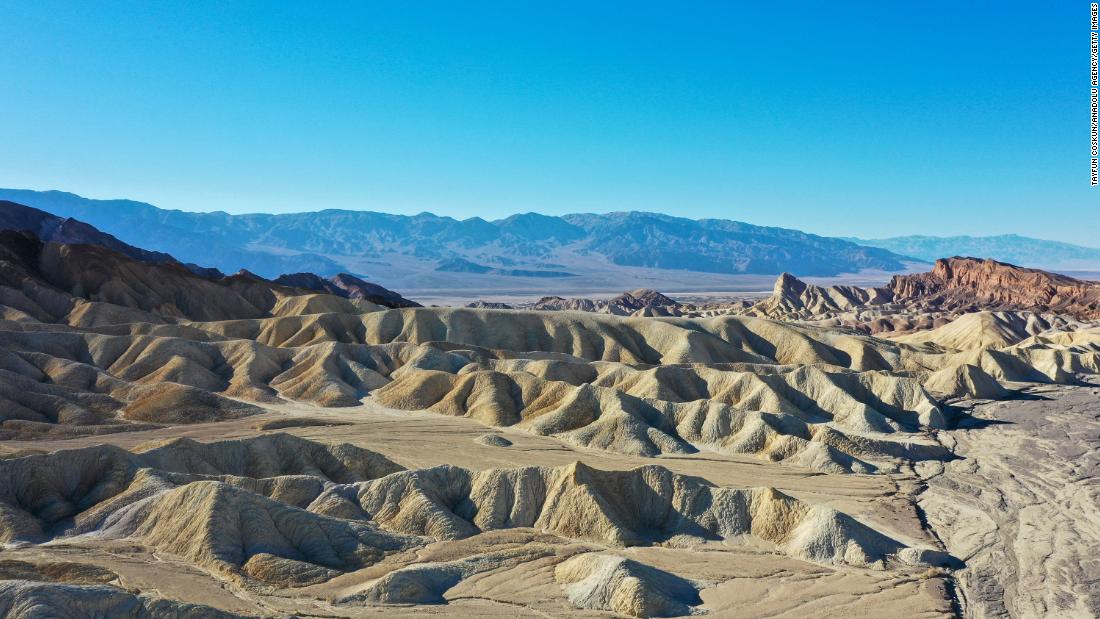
(282, 511)
(828, 400)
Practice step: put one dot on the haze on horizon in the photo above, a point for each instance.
(860, 120)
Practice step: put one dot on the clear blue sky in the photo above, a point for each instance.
(871, 119)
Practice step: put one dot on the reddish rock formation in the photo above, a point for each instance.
(997, 285)
(953, 287)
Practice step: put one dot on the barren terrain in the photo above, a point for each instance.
(515, 567)
(175, 443)
(1020, 506)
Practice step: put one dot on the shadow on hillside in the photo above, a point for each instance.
(962, 417)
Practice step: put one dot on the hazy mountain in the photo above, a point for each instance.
(525, 245)
(51, 228)
(34, 243)
(1012, 248)
(723, 246)
(190, 237)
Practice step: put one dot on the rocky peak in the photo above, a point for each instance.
(358, 288)
(1000, 284)
(787, 285)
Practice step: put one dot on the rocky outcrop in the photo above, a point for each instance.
(996, 285)
(347, 286)
(954, 287)
(359, 289)
(791, 297)
(489, 305)
(633, 303)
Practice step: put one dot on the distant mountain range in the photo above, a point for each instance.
(525, 246)
(34, 243)
(190, 238)
(1011, 248)
(53, 229)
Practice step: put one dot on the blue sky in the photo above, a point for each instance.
(869, 119)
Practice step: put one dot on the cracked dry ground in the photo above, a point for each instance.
(1022, 505)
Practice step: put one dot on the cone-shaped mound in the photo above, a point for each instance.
(176, 404)
(626, 587)
(270, 455)
(965, 380)
(225, 528)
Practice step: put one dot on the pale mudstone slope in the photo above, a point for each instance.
(285, 512)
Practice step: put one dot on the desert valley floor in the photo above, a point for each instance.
(179, 443)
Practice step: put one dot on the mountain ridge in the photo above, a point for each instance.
(524, 244)
(41, 254)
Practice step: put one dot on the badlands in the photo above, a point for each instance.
(175, 442)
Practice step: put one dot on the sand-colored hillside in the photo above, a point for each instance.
(281, 511)
(817, 397)
(176, 445)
